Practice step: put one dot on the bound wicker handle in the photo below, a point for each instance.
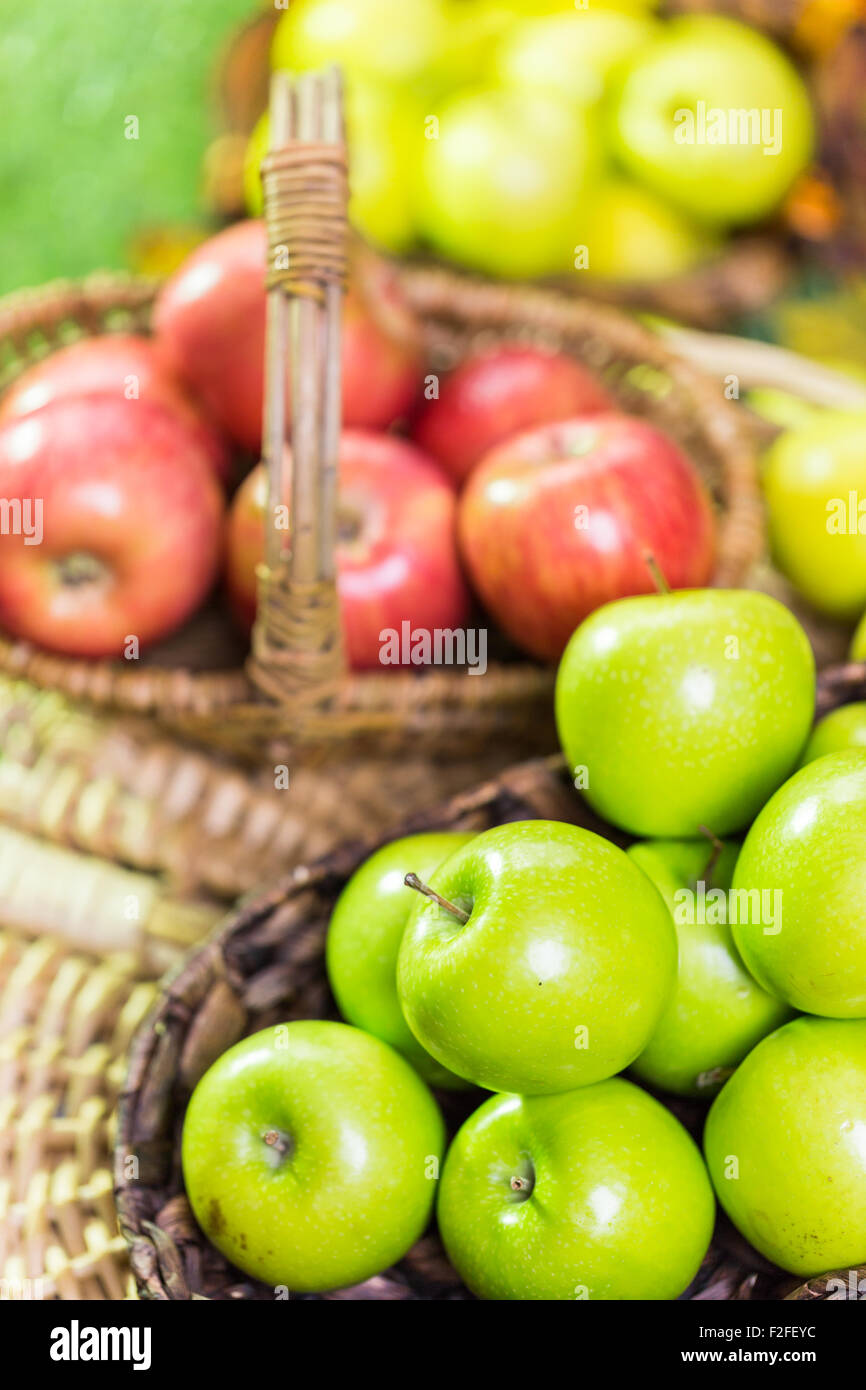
(296, 649)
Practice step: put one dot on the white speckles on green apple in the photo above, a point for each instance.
(784, 1142)
(567, 942)
(717, 1011)
(807, 845)
(308, 1162)
(612, 1200)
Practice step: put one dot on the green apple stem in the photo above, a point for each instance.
(717, 847)
(413, 881)
(521, 1184)
(714, 1077)
(655, 570)
(277, 1141)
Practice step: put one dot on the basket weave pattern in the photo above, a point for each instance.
(110, 788)
(66, 1021)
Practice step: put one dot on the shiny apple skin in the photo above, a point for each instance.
(621, 1207)
(209, 321)
(540, 565)
(357, 1187)
(403, 566)
(686, 709)
(496, 394)
(104, 365)
(717, 1012)
(784, 1146)
(560, 975)
(809, 845)
(126, 482)
(841, 729)
(364, 936)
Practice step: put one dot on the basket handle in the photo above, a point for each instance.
(296, 652)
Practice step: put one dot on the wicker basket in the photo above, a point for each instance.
(391, 741)
(265, 964)
(109, 787)
(77, 976)
(147, 837)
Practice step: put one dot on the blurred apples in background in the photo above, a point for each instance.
(209, 322)
(123, 366)
(815, 487)
(529, 138)
(499, 393)
(128, 523)
(716, 119)
(503, 184)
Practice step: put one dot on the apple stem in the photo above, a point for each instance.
(714, 1076)
(713, 860)
(652, 564)
(277, 1142)
(80, 567)
(413, 881)
(520, 1184)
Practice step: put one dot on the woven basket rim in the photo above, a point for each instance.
(157, 1266)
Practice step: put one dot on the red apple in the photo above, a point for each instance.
(559, 520)
(122, 365)
(500, 393)
(210, 325)
(123, 521)
(396, 556)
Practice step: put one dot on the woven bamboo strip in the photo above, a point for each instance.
(112, 788)
(96, 906)
(66, 1021)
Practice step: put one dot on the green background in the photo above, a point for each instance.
(73, 189)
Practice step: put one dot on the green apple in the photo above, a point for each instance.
(632, 234)
(384, 130)
(815, 487)
(572, 54)
(386, 40)
(842, 729)
(257, 148)
(858, 641)
(522, 9)
(783, 409)
(595, 1194)
(717, 1012)
(472, 30)
(685, 710)
(804, 863)
(309, 1155)
(364, 937)
(784, 1142)
(503, 180)
(558, 976)
(714, 117)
